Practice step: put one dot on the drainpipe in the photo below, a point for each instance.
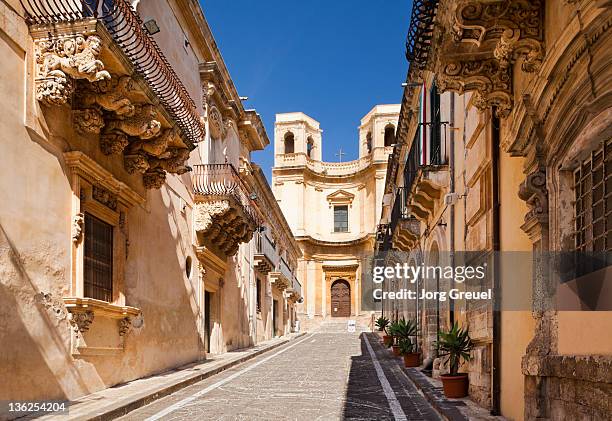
(451, 165)
(496, 273)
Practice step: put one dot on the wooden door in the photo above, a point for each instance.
(340, 299)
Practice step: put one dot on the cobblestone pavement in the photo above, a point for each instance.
(326, 375)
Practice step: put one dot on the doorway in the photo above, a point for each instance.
(207, 327)
(274, 316)
(340, 298)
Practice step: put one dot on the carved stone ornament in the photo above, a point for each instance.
(125, 325)
(88, 121)
(154, 178)
(142, 124)
(63, 58)
(77, 227)
(221, 224)
(113, 142)
(157, 146)
(511, 46)
(175, 163)
(107, 107)
(105, 197)
(218, 129)
(491, 82)
(136, 163)
(478, 21)
(111, 95)
(80, 321)
(534, 192)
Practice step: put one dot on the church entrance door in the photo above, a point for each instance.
(340, 299)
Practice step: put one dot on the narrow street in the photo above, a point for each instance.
(325, 375)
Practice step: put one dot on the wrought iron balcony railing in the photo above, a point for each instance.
(285, 270)
(296, 287)
(127, 30)
(223, 181)
(400, 208)
(265, 246)
(418, 41)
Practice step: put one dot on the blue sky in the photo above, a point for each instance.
(333, 60)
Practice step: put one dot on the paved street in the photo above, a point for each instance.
(325, 375)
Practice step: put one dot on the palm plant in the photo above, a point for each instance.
(406, 329)
(382, 323)
(394, 328)
(406, 346)
(454, 345)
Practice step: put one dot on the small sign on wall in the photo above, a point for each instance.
(351, 326)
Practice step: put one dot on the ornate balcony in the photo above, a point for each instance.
(95, 57)
(224, 213)
(282, 276)
(295, 290)
(480, 42)
(265, 257)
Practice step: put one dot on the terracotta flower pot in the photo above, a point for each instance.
(455, 386)
(396, 350)
(387, 339)
(412, 360)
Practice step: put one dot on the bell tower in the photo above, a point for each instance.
(297, 134)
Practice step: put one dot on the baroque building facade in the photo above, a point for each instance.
(503, 146)
(332, 207)
(136, 234)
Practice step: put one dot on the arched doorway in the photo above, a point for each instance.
(340, 299)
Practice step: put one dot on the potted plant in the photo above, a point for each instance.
(381, 324)
(393, 326)
(411, 358)
(406, 330)
(453, 346)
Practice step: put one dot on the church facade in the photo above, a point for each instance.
(332, 207)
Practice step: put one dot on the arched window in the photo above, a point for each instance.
(289, 142)
(369, 142)
(389, 134)
(309, 146)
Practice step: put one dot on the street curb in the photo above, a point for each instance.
(436, 399)
(126, 408)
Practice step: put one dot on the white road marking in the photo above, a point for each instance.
(396, 408)
(220, 383)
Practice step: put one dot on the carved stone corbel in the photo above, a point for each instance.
(88, 121)
(113, 142)
(111, 95)
(77, 227)
(491, 83)
(137, 162)
(61, 60)
(511, 46)
(81, 320)
(157, 146)
(534, 192)
(142, 124)
(125, 325)
(154, 178)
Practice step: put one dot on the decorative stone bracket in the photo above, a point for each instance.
(69, 71)
(221, 224)
(533, 191)
(485, 38)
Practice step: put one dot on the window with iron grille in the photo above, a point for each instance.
(340, 218)
(593, 209)
(98, 265)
